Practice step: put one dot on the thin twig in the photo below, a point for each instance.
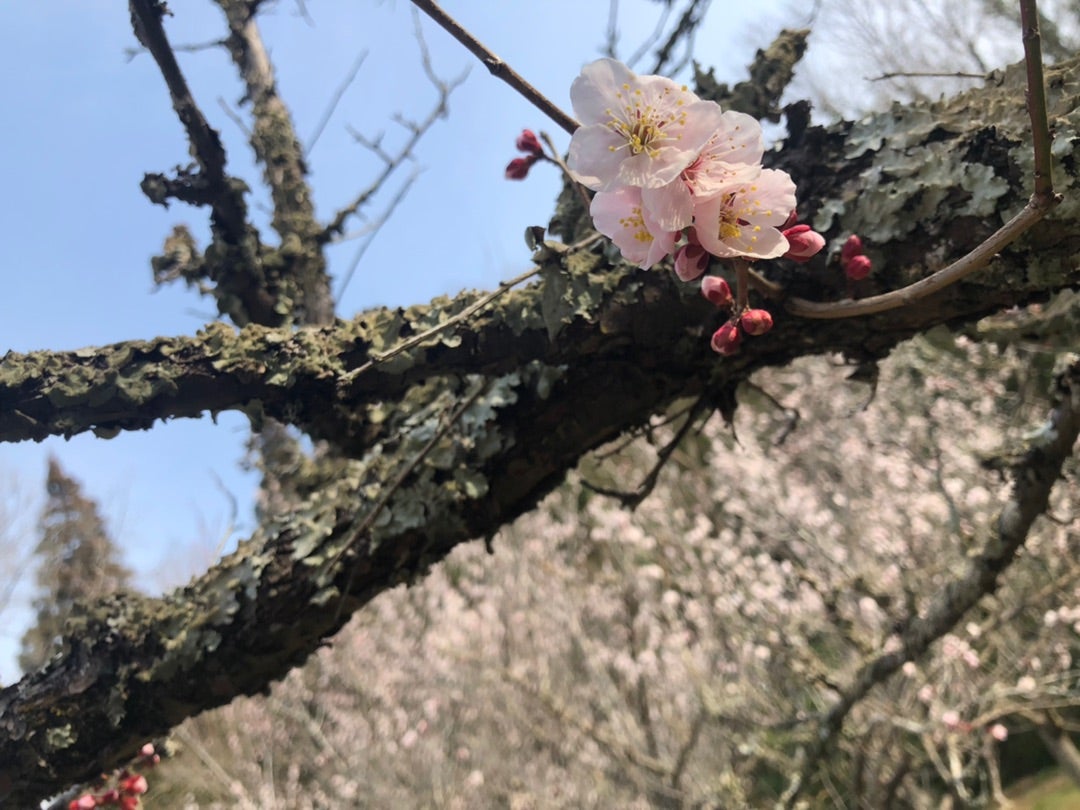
(373, 231)
(417, 131)
(1042, 201)
(926, 74)
(388, 492)
(496, 66)
(464, 315)
(631, 500)
(960, 269)
(742, 285)
(335, 100)
(1036, 105)
(556, 158)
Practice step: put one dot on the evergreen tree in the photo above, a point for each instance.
(77, 564)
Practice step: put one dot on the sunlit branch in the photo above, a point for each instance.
(1042, 201)
(496, 66)
(444, 88)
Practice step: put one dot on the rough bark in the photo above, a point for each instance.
(456, 437)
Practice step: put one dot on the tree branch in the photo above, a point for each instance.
(1034, 475)
(566, 366)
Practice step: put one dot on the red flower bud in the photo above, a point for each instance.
(725, 340)
(858, 267)
(135, 784)
(803, 243)
(852, 247)
(129, 802)
(717, 291)
(528, 142)
(691, 260)
(518, 168)
(756, 321)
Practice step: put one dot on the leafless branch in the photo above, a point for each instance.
(444, 88)
(496, 66)
(1034, 476)
(335, 99)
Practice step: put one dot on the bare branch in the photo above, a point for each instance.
(335, 99)
(444, 88)
(1034, 476)
(496, 66)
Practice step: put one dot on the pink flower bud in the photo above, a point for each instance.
(518, 168)
(84, 802)
(950, 719)
(134, 785)
(528, 142)
(756, 321)
(999, 732)
(725, 340)
(147, 750)
(858, 267)
(803, 242)
(852, 247)
(716, 291)
(691, 260)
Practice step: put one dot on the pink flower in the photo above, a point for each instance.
(732, 154)
(636, 130)
(950, 718)
(716, 291)
(999, 732)
(725, 340)
(756, 321)
(518, 168)
(528, 142)
(619, 215)
(742, 220)
(84, 802)
(804, 242)
(858, 267)
(691, 260)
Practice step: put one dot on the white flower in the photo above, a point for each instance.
(636, 130)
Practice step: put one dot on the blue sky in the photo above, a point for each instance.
(84, 121)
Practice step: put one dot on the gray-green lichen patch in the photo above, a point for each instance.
(573, 288)
(60, 737)
(921, 166)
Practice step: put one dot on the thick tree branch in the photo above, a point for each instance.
(305, 282)
(565, 366)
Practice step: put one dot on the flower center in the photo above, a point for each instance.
(636, 223)
(643, 124)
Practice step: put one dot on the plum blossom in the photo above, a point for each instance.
(636, 130)
(742, 220)
(732, 154)
(620, 216)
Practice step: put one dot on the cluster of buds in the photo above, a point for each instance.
(856, 264)
(753, 322)
(126, 790)
(527, 142)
